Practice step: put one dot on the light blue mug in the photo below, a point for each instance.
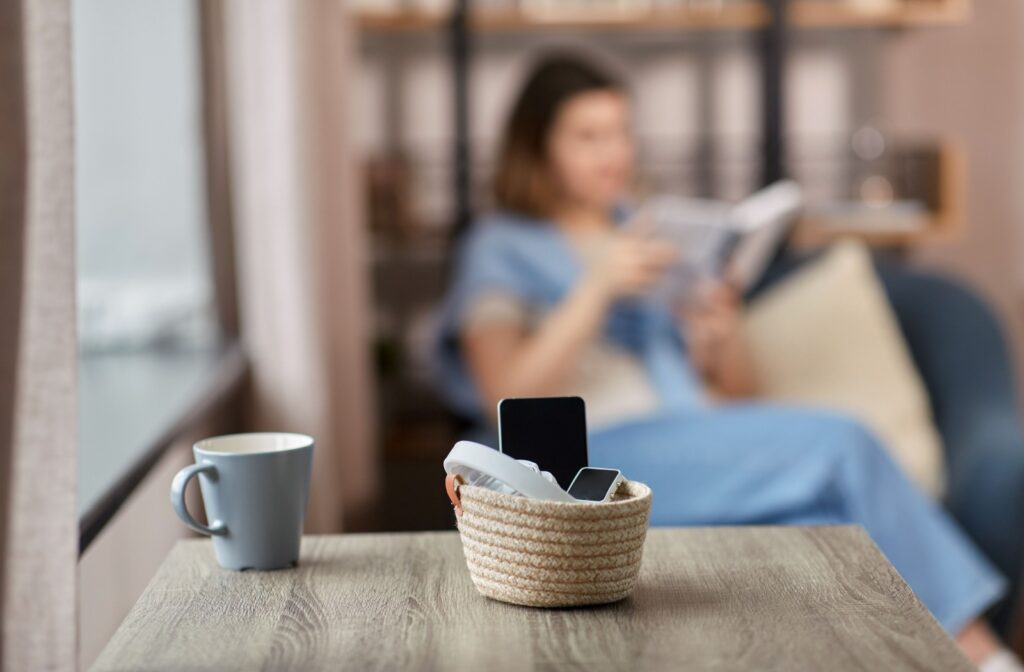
(255, 488)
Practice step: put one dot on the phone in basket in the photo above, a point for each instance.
(595, 485)
(549, 431)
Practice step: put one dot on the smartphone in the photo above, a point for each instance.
(550, 431)
(595, 485)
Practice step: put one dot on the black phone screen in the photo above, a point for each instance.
(551, 431)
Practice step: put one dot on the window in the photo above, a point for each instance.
(147, 321)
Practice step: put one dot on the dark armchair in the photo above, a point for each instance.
(961, 353)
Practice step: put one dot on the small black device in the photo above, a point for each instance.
(550, 431)
(595, 485)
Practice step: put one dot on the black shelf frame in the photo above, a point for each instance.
(461, 53)
(772, 44)
(772, 47)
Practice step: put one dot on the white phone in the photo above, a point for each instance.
(595, 485)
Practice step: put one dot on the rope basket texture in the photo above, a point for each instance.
(553, 554)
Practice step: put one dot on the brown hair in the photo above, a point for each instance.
(523, 182)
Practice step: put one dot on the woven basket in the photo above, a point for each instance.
(552, 554)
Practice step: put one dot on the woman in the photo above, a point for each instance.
(553, 297)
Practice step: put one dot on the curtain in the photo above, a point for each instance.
(38, 431)
(301, 251)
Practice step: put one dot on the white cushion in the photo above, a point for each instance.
(826, 336)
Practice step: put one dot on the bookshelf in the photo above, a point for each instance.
(806, 14)
(773, 21)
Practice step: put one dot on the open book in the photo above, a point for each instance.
(730, 242)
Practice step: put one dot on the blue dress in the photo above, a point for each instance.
(746, 464)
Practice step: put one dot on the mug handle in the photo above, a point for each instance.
(178, 486)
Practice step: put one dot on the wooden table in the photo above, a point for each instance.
(765, 598)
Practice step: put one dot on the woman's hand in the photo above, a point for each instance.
(713, 324)
(508, 362)
(629, 264)
(711, 319)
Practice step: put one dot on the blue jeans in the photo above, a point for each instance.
(763, 464)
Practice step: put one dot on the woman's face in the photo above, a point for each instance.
(590, 149)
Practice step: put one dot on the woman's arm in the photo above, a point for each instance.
(508, 362)
(714, 337)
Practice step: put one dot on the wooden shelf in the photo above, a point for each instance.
(945, 222)
(737, 16)
(902, 13)
(510, 21)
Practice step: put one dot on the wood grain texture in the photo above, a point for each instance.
(764, 598)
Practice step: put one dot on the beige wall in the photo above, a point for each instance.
(968, 83)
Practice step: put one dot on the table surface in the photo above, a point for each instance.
(760, 598)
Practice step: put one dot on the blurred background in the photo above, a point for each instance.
(267, 194)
